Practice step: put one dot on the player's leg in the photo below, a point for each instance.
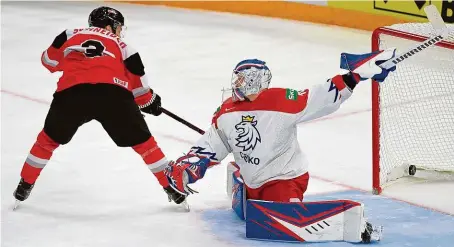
(123, 121)
(326, 220)
(291, 190)
(65, 116)
(336, 220)
(272, 208)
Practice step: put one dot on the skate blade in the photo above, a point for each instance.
(16, 205)
(377, 233)
(185, 206)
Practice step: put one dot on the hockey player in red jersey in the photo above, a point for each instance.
(104, 80)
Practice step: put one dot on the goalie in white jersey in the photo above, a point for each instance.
(258, 125)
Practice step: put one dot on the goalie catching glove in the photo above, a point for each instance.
(186, 170)
(366, 66)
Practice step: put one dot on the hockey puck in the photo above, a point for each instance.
(412, 170)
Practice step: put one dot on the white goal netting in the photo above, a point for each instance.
(416, 105)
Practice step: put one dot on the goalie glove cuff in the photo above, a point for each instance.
(348, 80)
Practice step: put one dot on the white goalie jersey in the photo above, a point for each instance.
(262, 134)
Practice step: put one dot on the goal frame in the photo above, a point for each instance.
(376, 187)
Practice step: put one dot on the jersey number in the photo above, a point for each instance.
(94, 48)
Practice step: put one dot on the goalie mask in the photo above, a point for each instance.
(249, 77)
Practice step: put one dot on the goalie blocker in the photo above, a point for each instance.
(339, 220)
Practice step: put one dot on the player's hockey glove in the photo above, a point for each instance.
(153, 106)
(365, 66)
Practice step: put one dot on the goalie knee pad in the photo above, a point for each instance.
(236, 190)
(232, 168)
(238, 196)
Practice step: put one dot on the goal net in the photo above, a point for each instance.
(413, 110)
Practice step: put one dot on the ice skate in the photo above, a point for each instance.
(174, 196)
(371, 233)
(22, 192)
(177, 197)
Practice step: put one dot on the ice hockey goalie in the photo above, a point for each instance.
(269, 175)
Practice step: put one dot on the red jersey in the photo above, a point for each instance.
(95, 55)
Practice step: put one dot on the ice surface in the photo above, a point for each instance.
(93, 193)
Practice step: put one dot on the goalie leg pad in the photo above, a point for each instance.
(238, 195)
(232, 168)
(340, 220)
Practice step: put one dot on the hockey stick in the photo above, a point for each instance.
(442, 32)
(179, 119)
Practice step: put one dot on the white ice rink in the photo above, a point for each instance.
(93, 193)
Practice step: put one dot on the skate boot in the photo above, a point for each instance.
(23, 190)
(174, 196)
(371, 233)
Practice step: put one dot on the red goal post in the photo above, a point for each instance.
(413, 110)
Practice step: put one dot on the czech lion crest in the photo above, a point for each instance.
(248, 135)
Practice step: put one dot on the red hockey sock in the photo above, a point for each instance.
(38, 157)
(154, 158)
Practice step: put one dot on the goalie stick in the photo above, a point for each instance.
(442, 32)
